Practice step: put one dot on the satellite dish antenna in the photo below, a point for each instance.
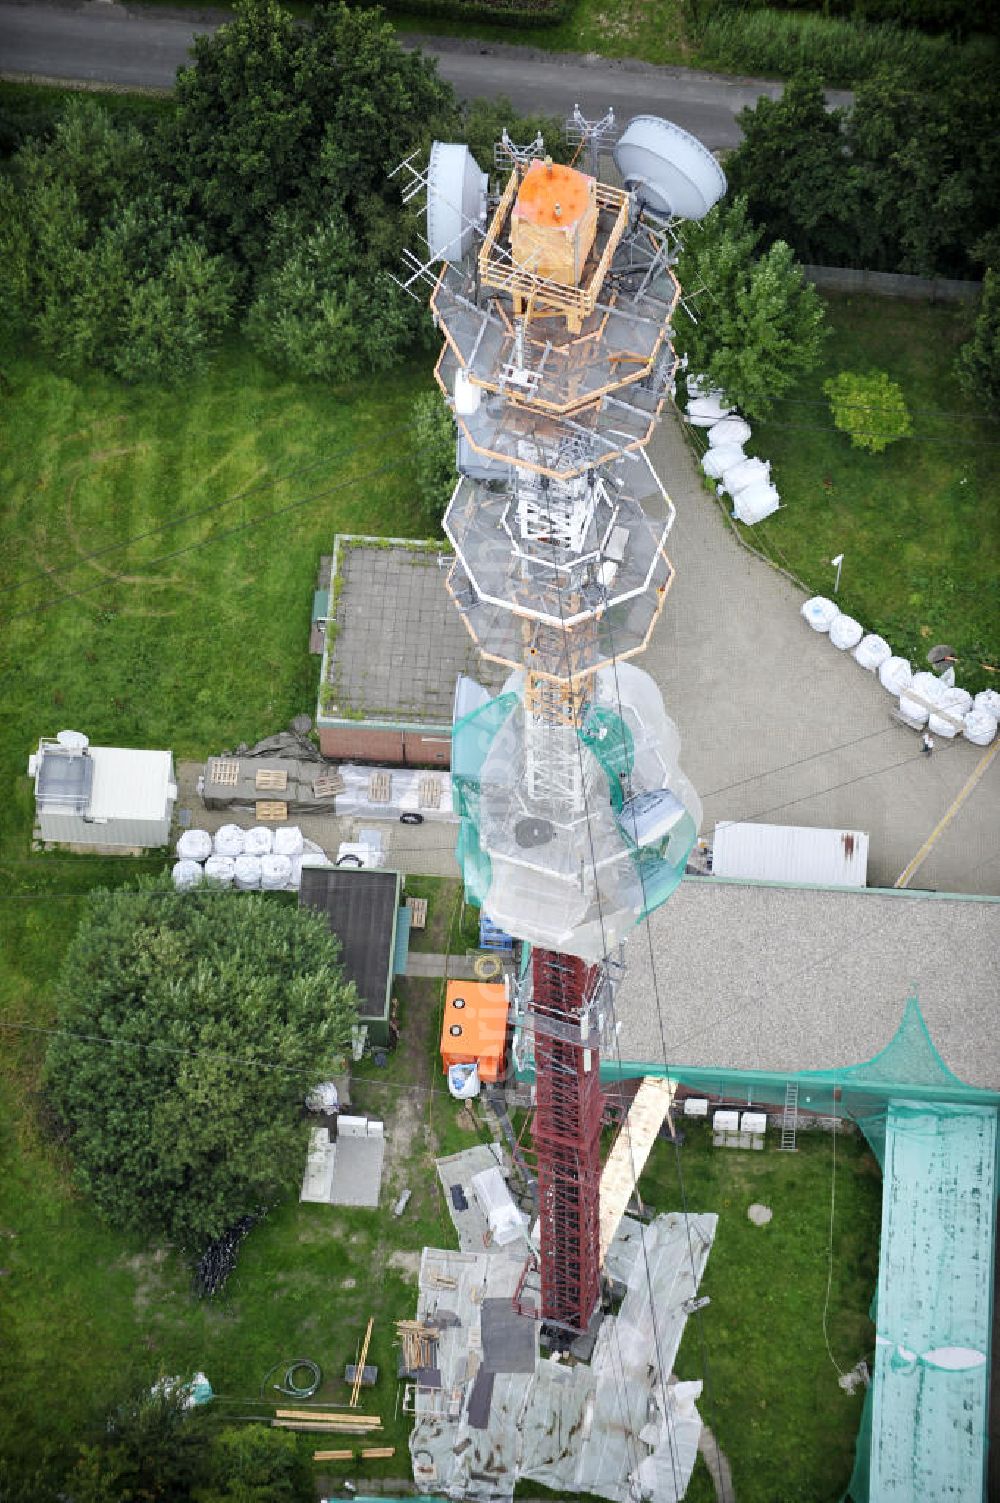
(456, 201)
(73, 741)
(668, 169)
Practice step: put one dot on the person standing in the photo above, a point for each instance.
(928, 744)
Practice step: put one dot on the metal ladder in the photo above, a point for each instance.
(790, 1119)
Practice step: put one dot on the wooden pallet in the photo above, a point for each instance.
(272, 811)
(223, 771)
(275, 778)
(429, 792)
(418, 912)
(380, 788)
(327, 785)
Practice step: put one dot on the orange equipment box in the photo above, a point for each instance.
(474, 1030)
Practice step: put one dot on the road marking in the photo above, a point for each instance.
(904, 877)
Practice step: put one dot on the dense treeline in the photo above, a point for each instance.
(958, 17)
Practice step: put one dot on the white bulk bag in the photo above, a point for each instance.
(295, 873)
(704, 412)
(247, 873)
(939, 726)
(186, 874)
(955, 700)
(895, 674)
(259, 841)
(988, 700)
(820, 612)
(275, 872)
(220, 869)
(846, 633)
(697, 386)
(229, 841)
(288, 841)
(715, 462)
(980, 727)
(746, 472)
(195, 845)
(731, 430)
(912, 711)
(929, 687)
(871, 652)
(755, 502)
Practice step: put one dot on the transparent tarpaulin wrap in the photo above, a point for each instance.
(570, 835)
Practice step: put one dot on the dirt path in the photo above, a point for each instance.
(718, 1465)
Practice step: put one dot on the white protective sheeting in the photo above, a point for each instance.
(275, 872)
(980, 727)
(229, 841)
(755, 503)
(731, 430)
(846, 633)
(871, 652)
(705, 412)
(715, 462)
(259, 841)
(194, 845)
(288, 841)
(820, 612)
(221, 869)
(247, 873)
(895, 674)
(186, 874)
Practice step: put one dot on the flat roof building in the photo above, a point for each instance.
(112, 798)
(362, 908)
(394, 648)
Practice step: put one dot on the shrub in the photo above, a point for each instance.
(978, 362)
(870, 408)
(433, 431)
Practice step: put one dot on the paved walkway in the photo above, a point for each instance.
(455, 967)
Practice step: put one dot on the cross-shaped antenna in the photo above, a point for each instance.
(594, 134)
(506, 151)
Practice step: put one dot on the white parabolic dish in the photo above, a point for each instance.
(456, 200)
(670, 170)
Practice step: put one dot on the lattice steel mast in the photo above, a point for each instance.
(555, 297)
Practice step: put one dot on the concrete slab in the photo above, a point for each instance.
(357, 1171)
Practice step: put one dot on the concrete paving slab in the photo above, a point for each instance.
(357, 1172)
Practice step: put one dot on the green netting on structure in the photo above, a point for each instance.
(613, 744)
(472, 737)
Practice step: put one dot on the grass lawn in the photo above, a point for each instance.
(917, 524)
(772, 1398)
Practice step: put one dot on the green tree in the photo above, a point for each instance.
(978, 361)
(154, 1450)
(870, 408)
(170, 322)
(432, 428)
(792, 167)
(759, 326)
(250, 1464)
(191, 1024)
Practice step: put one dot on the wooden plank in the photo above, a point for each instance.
(360, 1431)
(272, 777)
(329, 1418)
(360, 1365)
(630, 1151)
(271, 811)
(376, 1453)
(333, 1456)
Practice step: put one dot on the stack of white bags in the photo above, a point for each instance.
(746, 480)
(924, 699)
(259, 859)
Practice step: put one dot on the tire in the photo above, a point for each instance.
(411, 818)
(349, 861)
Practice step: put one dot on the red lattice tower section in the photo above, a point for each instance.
(566, 1134)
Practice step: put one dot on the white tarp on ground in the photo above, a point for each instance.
(580, 1429)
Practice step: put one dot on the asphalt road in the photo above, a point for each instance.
(102, 42)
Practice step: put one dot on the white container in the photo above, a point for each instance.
(820, 612)
(467, 395)
(980, 727)
(715, 462)
(195, 845)
(754, 503)
(726, 1122)
(247, 873)
(731, 430)
(288, 841)
(846, 633)
(275, 872)
(896, 675)
(186, 874)
(259, 841)
(755, 1122)
(229, 841)
(221, 870)
(696, 1106)
(871, 652)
